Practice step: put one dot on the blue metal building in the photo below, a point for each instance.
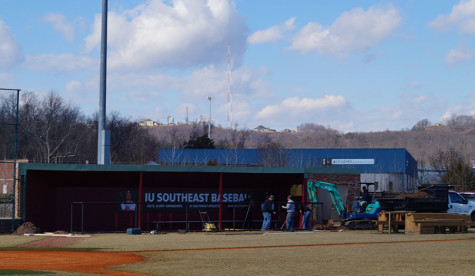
(392, 169)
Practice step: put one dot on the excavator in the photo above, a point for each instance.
(358, 218)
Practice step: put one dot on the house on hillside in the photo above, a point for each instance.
(261, 128)
(148, 123)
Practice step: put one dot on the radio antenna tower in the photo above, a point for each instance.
(230, 89)
(186, 117)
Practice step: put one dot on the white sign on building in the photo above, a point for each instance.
(352, 161)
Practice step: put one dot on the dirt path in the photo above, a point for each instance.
(73, 261)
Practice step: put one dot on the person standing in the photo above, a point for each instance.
(289, 220)
(306, 214)
(267, 211)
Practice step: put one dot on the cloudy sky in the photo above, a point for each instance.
(349, 65)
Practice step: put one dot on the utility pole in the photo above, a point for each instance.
(209, 118)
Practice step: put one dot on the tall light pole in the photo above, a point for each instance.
(103, 135)
(209, 118)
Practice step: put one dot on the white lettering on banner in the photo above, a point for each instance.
(352, 161)
(149, 197)
(193, 197)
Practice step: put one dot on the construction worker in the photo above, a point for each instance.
(267, 211)
(306, 214)
(290, 213)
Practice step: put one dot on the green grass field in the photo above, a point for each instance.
(279, 253)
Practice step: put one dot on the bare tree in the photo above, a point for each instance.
(460, 120)
(272, 154)
(421, 125)
(234, 138)
(7, 119)
(460, 175)
(442, 159)
(453, 168)
(55, 127)
(130, 143)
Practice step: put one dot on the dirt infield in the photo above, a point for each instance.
(314, 253)
(74, 261)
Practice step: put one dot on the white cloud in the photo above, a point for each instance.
(246, 83)
(5, 77)
(401, 114)
(328, 109)
(205, 82)
(84, 94)
(335, 111)
(10, 51)
(146, 81)
(460, 54)
(144, 96)
(242, 112)
(140, 93)
(60, 24)
(415, 85)
(185, 33)
(462, 17)
(372, 57)
(73, 86)
(354, 31)
(296, 106)
(272, 34)
(466, 107)
(61, 62)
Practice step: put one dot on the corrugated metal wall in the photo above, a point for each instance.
(385, 160)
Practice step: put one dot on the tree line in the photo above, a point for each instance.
(53, 131)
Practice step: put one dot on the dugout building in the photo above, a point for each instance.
(112, 198)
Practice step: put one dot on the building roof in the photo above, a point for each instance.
(24, 167)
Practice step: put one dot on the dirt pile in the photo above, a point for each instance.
(26, 228)
(415, 195)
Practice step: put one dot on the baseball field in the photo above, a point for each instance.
(240, 253)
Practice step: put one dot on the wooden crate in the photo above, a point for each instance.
(394, 221)
(431, 223)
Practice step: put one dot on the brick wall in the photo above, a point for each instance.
(6, 180)
(337, 179)
(6, 177)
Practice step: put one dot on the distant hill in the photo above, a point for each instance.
(422, 143)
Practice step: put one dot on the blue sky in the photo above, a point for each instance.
(349, 65)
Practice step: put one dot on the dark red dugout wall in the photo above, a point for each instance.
(50, 190)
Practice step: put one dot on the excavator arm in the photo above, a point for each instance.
(312, 186)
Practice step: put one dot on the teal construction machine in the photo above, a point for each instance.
(363, 214)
